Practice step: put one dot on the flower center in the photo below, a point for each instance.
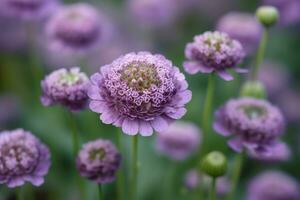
(98, 154)
(140, 76)
(253, 112)
(69, 79)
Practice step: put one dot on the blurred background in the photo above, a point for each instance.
(28, 52)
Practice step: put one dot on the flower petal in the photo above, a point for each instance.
(236, 144)
(130, 127)
(220, 129)
(98, 106)
(180, 112)
(225, 75)
(159, 124)
(145, 128)
(93, 93)
(191, 67)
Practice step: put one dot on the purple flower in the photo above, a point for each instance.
(66, 87)
(139, 92)
(213, 52)
(98, 161)
(23, 158)
(242, 27)
(179, 141)
(255, 124)
(289, 10)
(27, 9)
(289, 102)
(75, 29)
(273, 185)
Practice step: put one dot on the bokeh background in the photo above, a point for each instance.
(164, 31)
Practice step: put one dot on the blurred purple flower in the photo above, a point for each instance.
(139, 92)
(289, 102)
(179, 141)
(193, 180)
(255, 124)
(242, 27)
(213, 52)
(289, 10)
(9, 109)
(66, 87)
(23, 158)
(273, 185)
(75, 29)
(28, 10)
(99, 161)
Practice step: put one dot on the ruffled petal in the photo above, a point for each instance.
(225, 75)
(130, 127)
(109, 117)
(93, 93)
(179, 113)
(236, 144)
(95, 78)
(220, 129)
(159, 124)
(145, 128)
(98, 106)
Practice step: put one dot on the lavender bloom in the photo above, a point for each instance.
(75, 29)
(242, 27)
(255, 124)
(27, 9)
(66, 87)
(289, 10)
(139, 92)
(289, 102)
(98, 161)
(179, 141)
(213, 52)
(23, 158)
(273, 185)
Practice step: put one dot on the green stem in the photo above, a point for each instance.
(120, 175)
(168, 191)
(100, 190)
(213, 189)
(74, 132)
(20, 194)
(134, 168)
(260, 53)
(207, 112)
(237, 168)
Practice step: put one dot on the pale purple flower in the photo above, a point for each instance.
(99, 161)
(213, 52)
(179, 141)
(273, 185)
(67, 87)
(23, 159)
(75, 29)
(289, 103)
(139, 92)
(28, 10)
(254, 124)
(289, 10)
(242, 27)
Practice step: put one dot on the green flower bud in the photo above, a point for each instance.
(214, 164)
(254, 89)
(267, 15)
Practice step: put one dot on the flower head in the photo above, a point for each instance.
(77, 28)
(273, 185)
(255, 124)
(27, 9)
(23, 158)
(179, 141)
(213, 52)
(242, 27)
(65, 87)
(139, 92)
(98, 161)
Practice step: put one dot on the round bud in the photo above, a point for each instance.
(214, 164)
(254, 89)
(267, 15)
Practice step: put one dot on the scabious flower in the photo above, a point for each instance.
(289, 10)
(179, 141)
(255, 124)
(273, 185)
(27, 9)
(75, 29)
(65, 87)
(23, 158)
(213, 52)
(242, 27)
(98, 161)
(194, 180)
(139, 92)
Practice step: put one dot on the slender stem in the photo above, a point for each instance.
(134, 168)
(74, 131)
(213, 189)
(120, 175)
(169, 182)
(260, 53)
(100, 190)
(20, 194)
(207, 112)
(237, 168)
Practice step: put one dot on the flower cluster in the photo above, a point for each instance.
(23, 158)
(213, 52)
(98, 161)
(65, 87)
(139, 92)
